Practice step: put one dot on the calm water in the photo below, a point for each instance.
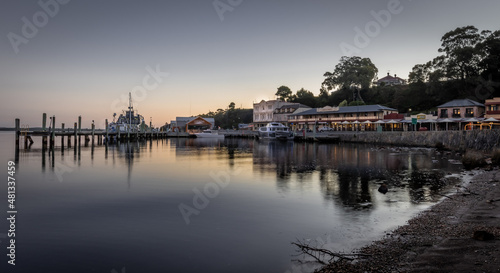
(119, 209)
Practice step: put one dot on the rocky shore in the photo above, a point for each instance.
(459, 234)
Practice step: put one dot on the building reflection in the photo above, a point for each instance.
(348, 173)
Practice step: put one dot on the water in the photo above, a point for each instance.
(244, 202)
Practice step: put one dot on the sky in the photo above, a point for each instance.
(180, 58)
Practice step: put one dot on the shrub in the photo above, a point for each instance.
(495, 158)
(473, 159)
(439, 145)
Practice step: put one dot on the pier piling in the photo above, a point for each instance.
(18, 132)
(93, 128)
(44, 122)
(74, 133)
(62, 135)
(107, 136)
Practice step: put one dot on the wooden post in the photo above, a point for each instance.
(79, 124)
(51, 139)
(62, 135)
(74, 132)
(93, 127)
(18, 126)
(44, 122)
(53, 142)
(107, 136)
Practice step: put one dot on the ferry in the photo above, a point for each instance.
(128, 121)
(275, 130)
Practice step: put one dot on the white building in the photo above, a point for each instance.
(263, 112)
(274, 111)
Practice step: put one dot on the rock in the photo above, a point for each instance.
(482, 235)
(383, 189)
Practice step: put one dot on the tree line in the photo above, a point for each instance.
(230, 117)
(468, 67)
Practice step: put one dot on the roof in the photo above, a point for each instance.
(460, 103)
(189, 119)
(347, 109)
(294, 106)
(390, 78)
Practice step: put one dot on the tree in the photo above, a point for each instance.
(351, 72)
(419, 73)
(305, 97)
(461, 56)
(489, 48)
(323, 97)
(343, 103)
(356, 103)
(284, 93)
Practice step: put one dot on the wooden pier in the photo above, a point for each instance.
(74, 136)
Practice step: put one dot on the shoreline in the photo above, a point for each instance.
(440, 239)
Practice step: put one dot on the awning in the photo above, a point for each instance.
(491, 120)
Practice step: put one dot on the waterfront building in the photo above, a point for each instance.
(264, 112)
(461, 108)
(192, 124)
(492, 108)
(281, 114)
(362, 117)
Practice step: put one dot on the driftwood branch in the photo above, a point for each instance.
(319, 254)
(444, 195)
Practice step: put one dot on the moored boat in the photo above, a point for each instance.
(275, 130)
(128, 121)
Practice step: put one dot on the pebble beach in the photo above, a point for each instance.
(459, 234)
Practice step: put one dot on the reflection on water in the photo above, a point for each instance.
(98, 208)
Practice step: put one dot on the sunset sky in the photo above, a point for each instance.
(71, 58)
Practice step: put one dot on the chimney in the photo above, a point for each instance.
(395, 76)
(388, 74)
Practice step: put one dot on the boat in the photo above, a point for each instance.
(128, 121)
(209, 134)
(275, 130)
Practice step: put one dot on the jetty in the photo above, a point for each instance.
(76, 134)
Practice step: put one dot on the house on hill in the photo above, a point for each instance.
(390, 80)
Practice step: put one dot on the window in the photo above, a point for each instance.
(469, 112)
(456, 113)
(444, 113)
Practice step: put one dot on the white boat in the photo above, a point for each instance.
(209, 134)
(275, 130)
(128, 121)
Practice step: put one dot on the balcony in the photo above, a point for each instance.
(456, 116)
(443, 116)
(497, 112)
(469, 115)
